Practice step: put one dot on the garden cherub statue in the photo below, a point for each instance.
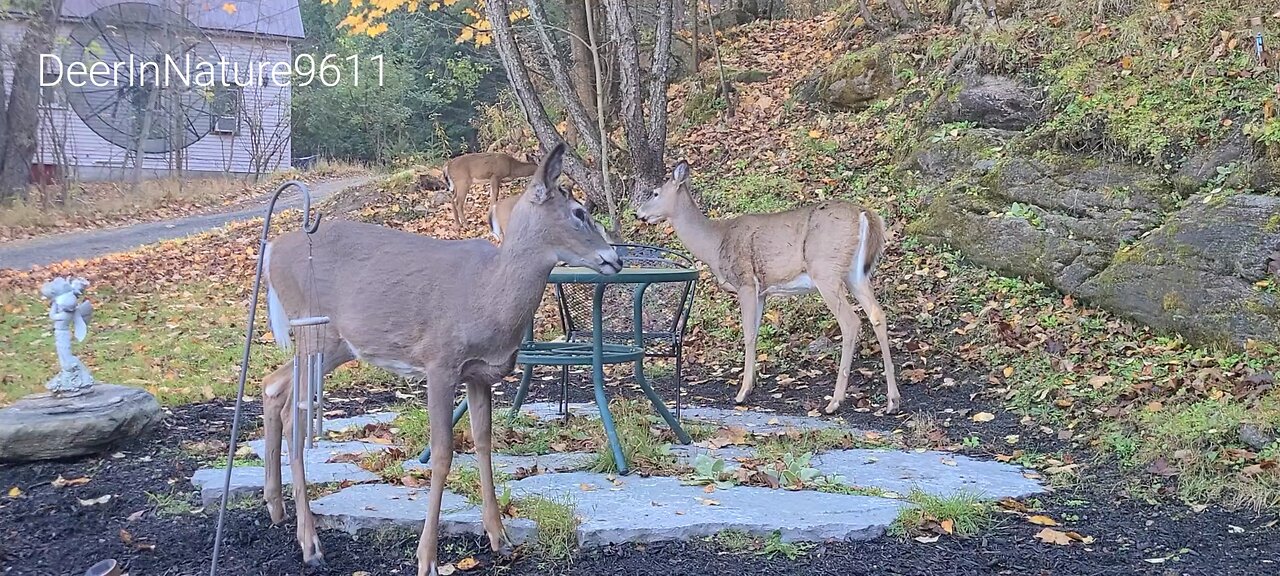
(68, 313)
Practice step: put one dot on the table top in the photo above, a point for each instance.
(628, 275)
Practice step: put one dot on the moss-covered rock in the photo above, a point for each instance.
(993, 102)
(853, 82)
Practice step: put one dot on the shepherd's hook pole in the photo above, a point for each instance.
(309, 225)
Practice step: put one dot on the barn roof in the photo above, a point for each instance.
(262, 17)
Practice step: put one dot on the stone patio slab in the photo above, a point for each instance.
(321, 452)
(937, 473)
(248, 480)
(510, 464)
(380, 506)
(655, 509)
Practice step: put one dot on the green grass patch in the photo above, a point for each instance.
(772, 546)
(172, 504)
(966, 513)
(183, 346)
(557, 524)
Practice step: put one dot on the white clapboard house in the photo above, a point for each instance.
(202, 104)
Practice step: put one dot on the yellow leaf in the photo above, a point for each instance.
(15, 492)
(1155, 406)
(709, 488)
(983, 417)
(434, 6)
(1042, 520)
(1100, 380)
(468, 563)
(1051, 536)
(815, 133)
(229, 8)
(948, 526)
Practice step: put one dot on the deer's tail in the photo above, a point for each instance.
(448, 180)
(277, 318)
(871, 242)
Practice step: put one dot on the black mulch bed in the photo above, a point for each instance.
(46, 531)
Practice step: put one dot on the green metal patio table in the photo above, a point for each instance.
(597, 353)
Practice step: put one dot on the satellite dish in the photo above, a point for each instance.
(133, 37)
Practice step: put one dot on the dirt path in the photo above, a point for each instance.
(45, 250)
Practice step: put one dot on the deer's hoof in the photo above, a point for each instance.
(831, 408)
(893, 406)
(315, 561)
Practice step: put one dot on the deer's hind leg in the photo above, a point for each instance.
(275, 398)
(833, 295)
(282, 399)
(461, 187)
(861, 288)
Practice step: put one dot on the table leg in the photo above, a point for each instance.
(637, 321)
(425, 457)
(523, 390)
(597, 373)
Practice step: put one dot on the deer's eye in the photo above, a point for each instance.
(580, 214)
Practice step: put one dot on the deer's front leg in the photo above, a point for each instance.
(480, 400)
(440, 392)
(275, 396)
(752, 308)
(495, 184)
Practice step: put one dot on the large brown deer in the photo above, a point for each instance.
(825, 247)
(500, 214)
(447, 311)
(495, 167)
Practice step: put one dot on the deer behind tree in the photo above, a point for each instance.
(495, 167)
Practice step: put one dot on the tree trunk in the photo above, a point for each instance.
(646, 160)
(535, 114)
(578, 117)
(580, 58)
(23, 120)
(901, 13)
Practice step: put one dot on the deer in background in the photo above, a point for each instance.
(500, 214)
(826, 247)
(447, 311)
(495, 167)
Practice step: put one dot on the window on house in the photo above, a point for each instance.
(51, 96)
(226, 107)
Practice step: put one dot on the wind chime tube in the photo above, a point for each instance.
(311, 400)
(318, 432)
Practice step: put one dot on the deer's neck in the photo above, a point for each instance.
(519, 277)
(701, 235)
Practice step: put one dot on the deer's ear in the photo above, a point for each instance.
(544, 186)
(681, 172)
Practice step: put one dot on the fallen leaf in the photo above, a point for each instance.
(1042, 520)
(586, 487)
(815, 133)
(1008, 371)
(61, 482)
(1101, 380)
(709, 488)
(15, 492)
(136, 516)
(1051, 536)
(926, 539)
(707, 501)
(446, 570)
(95, 501)
(983, 417)
(468, 563)
(948, 526)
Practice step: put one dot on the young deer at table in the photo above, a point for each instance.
(500, 214)
(447, 311)
(495, 167)
(826, 246)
